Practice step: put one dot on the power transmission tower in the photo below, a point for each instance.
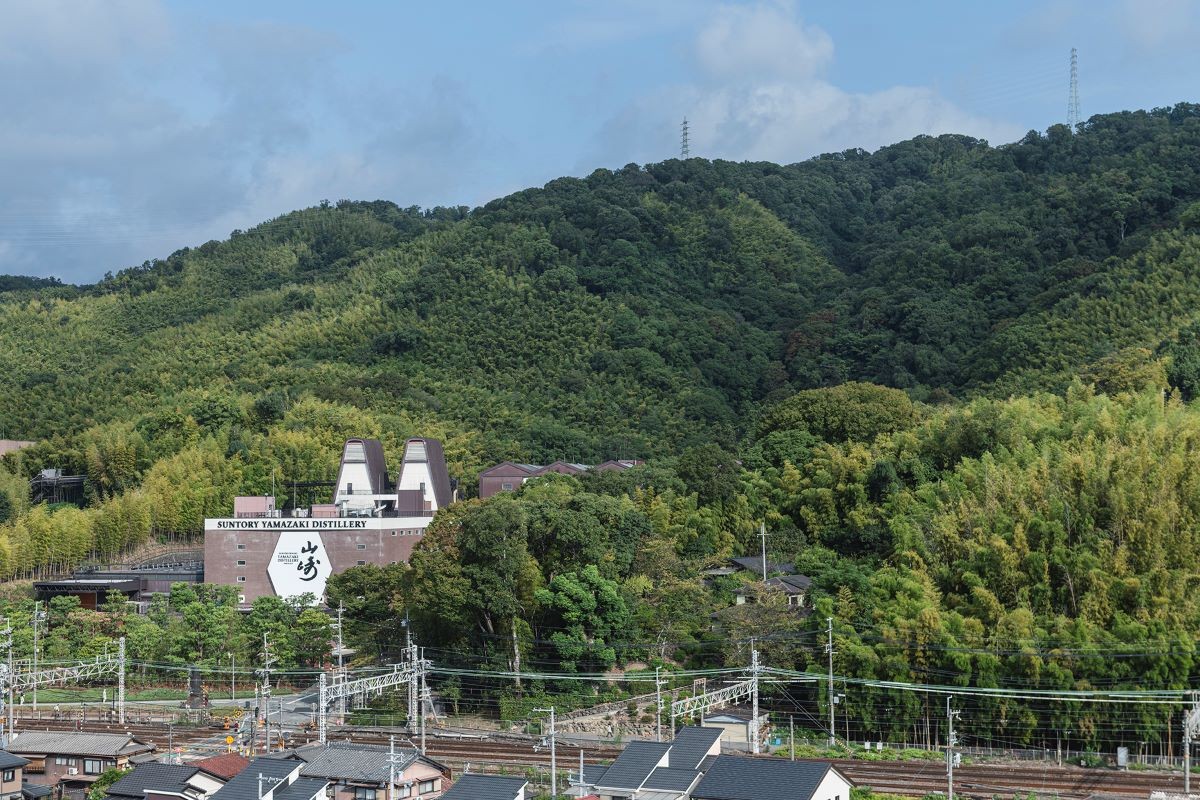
(1073, 98)
(951, 741)
(684, 151)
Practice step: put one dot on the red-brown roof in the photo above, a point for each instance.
(224, 766)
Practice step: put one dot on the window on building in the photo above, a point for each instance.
(393, 533)
(241, 563)
(364, 793)
(506, 487)
(63, 761)
(241, 579)
(93, 766)
(360, 547)
(241, 598)
(361, 563)
(10, 775)
(404, 791)
(426, 786)
(354, 453)
(241, 547)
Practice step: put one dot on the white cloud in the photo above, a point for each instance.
(762, 42)
(764, 96)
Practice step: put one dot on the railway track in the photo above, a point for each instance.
(888, 777)
(986, 780)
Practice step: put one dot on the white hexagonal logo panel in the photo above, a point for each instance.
(299, 564)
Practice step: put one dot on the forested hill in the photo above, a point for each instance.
(636, 310)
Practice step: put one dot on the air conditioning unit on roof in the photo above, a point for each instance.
(72, 770)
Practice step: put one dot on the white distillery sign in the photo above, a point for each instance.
(288, 524)
(299, 565)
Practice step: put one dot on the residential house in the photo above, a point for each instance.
(224, 766)
(752, 565)
(267, 778)
(741, 778)
(509, 475)
(361, 772)
(12, 772)
(660, 770)
(75, 760)
(158, 781)
(794, 587)
(487, 787)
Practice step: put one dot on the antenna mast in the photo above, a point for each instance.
(1073, 98)
(684, 152)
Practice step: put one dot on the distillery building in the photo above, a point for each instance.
(371, 519)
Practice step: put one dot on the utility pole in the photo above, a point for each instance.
(12, 678)
(322, 694)
(393, 760)
(340, 668)
(424, 698)
(755, 733)
(1191, 729)
(553, 758)
(657, 705)
(792, 735)
(951, 742)
(762, 534)
(829, 692)
(233, 678)
(412, 679)
(37, 618)
(121, 680)
(266, 692)
(8, 680)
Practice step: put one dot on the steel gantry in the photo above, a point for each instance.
(18, 681)
(718, 698)
(411, 673)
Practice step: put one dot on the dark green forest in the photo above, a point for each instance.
(954, 380)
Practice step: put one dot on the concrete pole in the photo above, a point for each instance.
(829, 692)
(121, 680)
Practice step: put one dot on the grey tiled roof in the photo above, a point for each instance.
(9, 761)
(156, 776)
(740, 778)
(244, 785)
(33, 791)
(354, 762)
(754, 564)
(301, 789)
(77, 744)
(634, 765)
(690, 746)
(484, 787)
(675, 780)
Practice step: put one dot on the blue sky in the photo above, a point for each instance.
(136, 127)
